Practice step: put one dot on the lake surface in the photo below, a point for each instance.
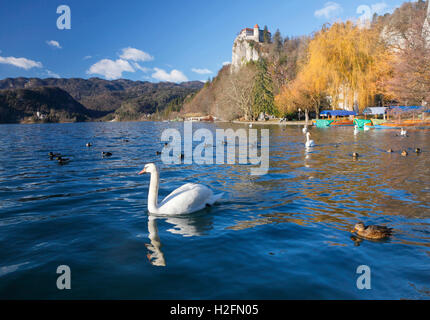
(283, 235)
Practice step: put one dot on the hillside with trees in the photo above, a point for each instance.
(119, 99)
(41, 105)
(344, 65)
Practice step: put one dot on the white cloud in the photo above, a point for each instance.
(201, 71)
(173, 76)
(87, 57)
(331, 9)
(52, 74)
(23, 63)
(139, 67)
(135, 55)
(53, 43)
(110, 69)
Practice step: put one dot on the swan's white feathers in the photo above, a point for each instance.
(187, 199)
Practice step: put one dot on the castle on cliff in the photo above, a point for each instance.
(255, 34)
(244, 49)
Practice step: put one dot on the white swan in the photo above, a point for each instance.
(309, 143)
(403, 132)
(250, 125)
(187, 199)
(305, 129)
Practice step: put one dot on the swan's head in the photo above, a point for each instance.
(149, 168)
(359, 227)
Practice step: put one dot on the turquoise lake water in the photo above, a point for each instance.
(283, 235)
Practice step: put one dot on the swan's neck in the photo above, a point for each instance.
(153, 193)
(307, 138)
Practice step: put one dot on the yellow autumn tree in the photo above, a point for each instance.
(345, 62)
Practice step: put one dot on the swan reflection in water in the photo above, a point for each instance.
(195, 225)
(155, 255)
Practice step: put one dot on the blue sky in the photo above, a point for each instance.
(150, 40)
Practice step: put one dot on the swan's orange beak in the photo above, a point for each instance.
(142, 172)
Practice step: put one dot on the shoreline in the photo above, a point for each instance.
(270, 122)
(287, 123)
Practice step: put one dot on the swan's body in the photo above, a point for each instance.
(403, 132)
(250, 125)
(309, 143)
(305, 129)
(187, 199)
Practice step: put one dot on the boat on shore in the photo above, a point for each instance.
(336, 118)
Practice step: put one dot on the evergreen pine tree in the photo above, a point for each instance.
(263, 91)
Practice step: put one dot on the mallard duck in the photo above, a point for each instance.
(390, 151)
(54, 155)
(404, 153)
(158, 153)
(417, 150)
(355, 155)
(106, 154)
(62, 160)
(372, 232)
(89, 144)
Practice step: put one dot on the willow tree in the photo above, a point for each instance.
(347, 62)
(305, 92)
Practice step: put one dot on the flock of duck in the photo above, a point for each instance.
(371, 232)
(403, 133)
(191, 198)
(62, 160)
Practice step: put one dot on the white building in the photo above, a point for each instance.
(255, 34)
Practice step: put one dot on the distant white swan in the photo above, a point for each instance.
(355, 129)
(403, 132)
(309, 143)
(250, 125)
(305, 129)
(366, 128)
(187, 199)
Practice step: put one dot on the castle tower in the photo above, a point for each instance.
(256, 33)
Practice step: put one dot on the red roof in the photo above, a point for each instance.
(256, 26)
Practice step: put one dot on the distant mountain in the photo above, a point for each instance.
(41, 105)
(101, 97)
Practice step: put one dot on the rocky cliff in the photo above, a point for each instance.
(243, 52)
